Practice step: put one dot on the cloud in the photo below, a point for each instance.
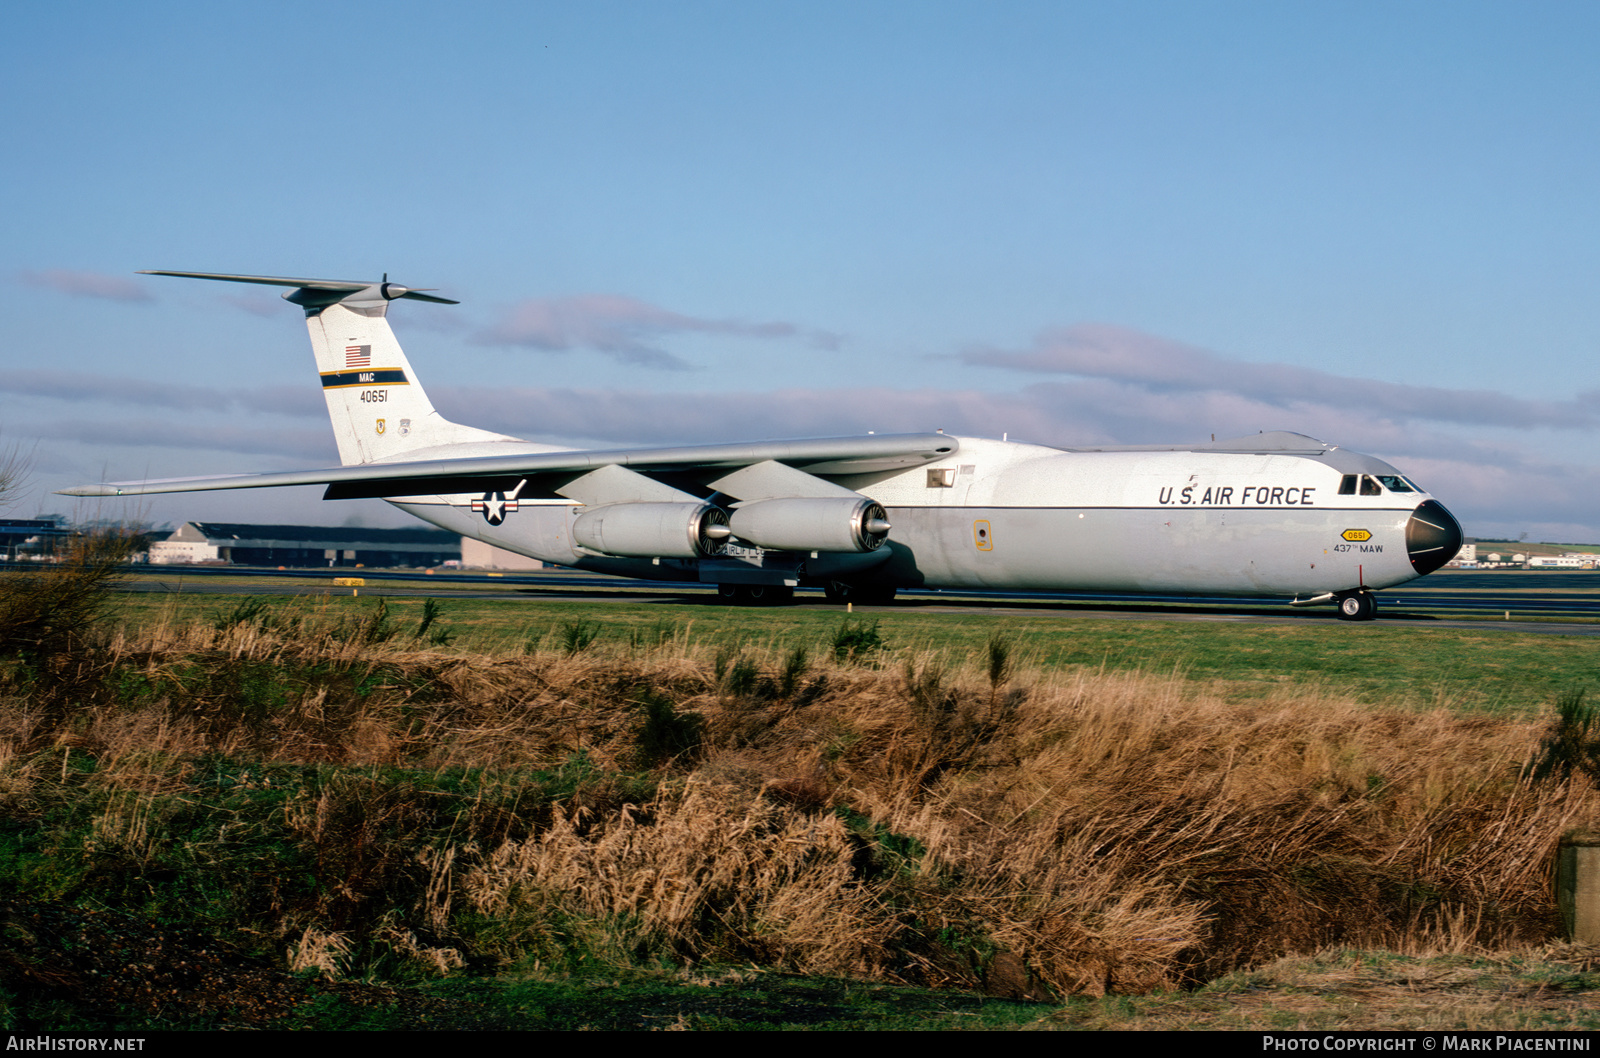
(255, 305)
(78, 388)
(624, 328)
(311, 446)
(1161, 365)
(1062, 414)
(644, 417)
(88, 285)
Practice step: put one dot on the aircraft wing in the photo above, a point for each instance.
(828, 455)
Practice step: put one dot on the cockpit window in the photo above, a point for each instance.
(1374, 484)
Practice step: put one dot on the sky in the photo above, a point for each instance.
(1067, 223)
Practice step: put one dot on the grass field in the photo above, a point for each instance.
(1399, 667)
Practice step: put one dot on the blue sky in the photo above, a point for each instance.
(1069, 222)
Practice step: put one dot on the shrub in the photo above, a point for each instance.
(854, 641)
(666, 736)
(45, 611)
(794, 670)
(1572, 743)
(999, 662)
(578, 636)
(429, 629)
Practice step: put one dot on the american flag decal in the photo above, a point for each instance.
(357, 356)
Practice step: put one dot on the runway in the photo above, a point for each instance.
(1564, 602)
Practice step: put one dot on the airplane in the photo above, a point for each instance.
(1272, 514)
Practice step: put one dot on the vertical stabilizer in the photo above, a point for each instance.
(378, 408)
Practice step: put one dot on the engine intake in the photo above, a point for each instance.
(843, 523)
(653, 530)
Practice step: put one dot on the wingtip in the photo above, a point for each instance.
(104, 489)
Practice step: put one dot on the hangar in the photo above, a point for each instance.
(306, 545)
(31, 537)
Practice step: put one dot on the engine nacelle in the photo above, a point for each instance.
(653, 530)
(842, 523)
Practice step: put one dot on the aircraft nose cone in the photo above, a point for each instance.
(1433, 536)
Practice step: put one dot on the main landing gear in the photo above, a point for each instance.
(783, 595)
(865, 594)
(756, 594)
(1357, 606)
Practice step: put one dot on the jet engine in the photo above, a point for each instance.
(653, 530)
(842, 523)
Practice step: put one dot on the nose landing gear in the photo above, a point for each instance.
(1357, 606)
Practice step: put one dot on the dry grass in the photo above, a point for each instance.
(374, 807)
(1543, 989)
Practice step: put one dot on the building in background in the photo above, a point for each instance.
(1561, 562)
(306, 546)
(24, 539)
(475, 554)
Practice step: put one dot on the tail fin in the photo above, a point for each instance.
(378, 408)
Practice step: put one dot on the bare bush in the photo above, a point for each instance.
(47, 610)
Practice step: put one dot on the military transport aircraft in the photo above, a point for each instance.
(1272, 514)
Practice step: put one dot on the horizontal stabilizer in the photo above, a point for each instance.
(841, 454)
(390, 291)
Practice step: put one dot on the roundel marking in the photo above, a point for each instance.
(494, 507)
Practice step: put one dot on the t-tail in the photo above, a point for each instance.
(378, 408)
